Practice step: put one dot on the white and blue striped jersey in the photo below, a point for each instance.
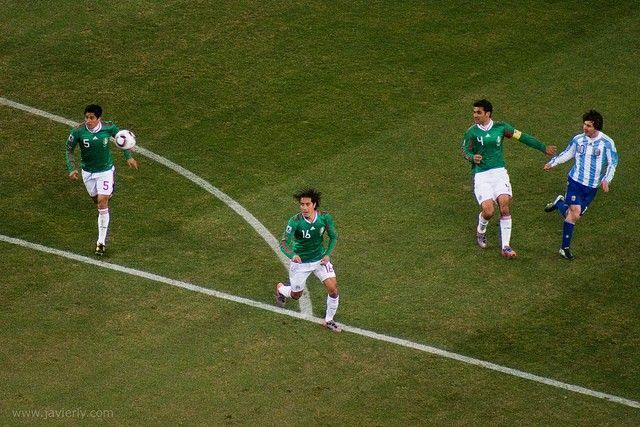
(590, 156)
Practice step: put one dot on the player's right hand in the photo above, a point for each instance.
(73, 175)
(296, 259)
(132, 163)
(477, 158)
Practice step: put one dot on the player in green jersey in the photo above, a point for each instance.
(303, 243)
(483, 147)
(98, 170)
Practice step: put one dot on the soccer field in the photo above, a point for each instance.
(238, 104)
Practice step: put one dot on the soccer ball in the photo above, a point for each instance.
(125, 139)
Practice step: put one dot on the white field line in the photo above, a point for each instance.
(306, 314)
(369, 334)
(304, 302)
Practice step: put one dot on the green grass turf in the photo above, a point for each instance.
(367, 101)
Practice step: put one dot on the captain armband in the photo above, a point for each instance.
(517, 134)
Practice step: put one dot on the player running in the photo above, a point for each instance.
(308, 255)
(483, 147)
(591, 150)
(98, 171)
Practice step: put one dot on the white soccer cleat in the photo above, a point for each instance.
(481, 238)
(332, 326)
(508, 252)
(281, 300)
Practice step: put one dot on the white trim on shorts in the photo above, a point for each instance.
(298, 273)
(488, 185)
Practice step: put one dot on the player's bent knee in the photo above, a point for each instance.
(332, 288)
(487, 211)
(574, 213)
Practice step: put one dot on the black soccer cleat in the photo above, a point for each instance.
(100, 249)
(552, 206)
(566, 254)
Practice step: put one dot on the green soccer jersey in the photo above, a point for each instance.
(489, 144)
(95, 153)
(308, 237)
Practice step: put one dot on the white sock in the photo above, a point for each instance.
(285, 291)
(103, 225)
(505, 230)
(332, 307)
(482, 224)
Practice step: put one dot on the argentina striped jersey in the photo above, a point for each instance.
(591, 156)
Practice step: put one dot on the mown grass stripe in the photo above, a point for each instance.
(304, 302)
(366, 333)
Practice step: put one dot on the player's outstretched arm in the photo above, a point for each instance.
(530, 140)
(550, 150)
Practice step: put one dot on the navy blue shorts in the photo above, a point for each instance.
(578, 194)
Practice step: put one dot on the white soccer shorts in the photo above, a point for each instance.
(298, 273)
(488, 185)
(99, 182)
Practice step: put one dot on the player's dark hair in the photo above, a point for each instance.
(594, 117)
(93, 108)
(485, 105)
(311, 193)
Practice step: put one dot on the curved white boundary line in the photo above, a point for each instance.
(304, 302)
(304, 315)
(369, 334)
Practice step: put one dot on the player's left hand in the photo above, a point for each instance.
(132, 163)
(325, 259)
(605, 186)
(550, 150)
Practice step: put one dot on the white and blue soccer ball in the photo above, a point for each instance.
(125, 139)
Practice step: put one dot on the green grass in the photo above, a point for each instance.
(367, 101)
